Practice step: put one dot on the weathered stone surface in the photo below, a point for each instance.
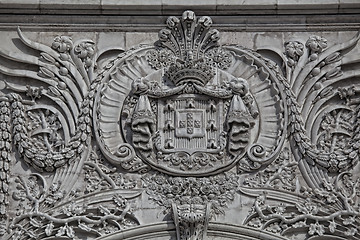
(147, 130)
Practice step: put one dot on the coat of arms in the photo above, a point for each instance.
(188, 120)
(187, 107)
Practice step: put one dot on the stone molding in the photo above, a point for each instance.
(166, 7)
(228, 15)
(231, 23)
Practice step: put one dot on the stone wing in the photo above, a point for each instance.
(323, 103)
(46, 94)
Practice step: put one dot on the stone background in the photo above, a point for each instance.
(120, 25)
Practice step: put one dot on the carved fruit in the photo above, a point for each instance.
(315, 71)
(313, 57)
(62, 85)
(63, 71)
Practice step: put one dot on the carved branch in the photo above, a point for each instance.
(102, 174)
(68, 220)
(43, 195)
(303, 216)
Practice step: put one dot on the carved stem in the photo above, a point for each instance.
(334, 140)
(67, 220)
(102, 174)
(44, 126)
(278, 173)
(340, 193)
(354, 192)
(303, 216)
(29, 196)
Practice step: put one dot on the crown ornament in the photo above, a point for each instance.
(189, 38)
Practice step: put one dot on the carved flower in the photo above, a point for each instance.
(331, 198)
(349, 220)
(159, 59)
(332, 226)
(73, 209)
(176, 181)
(316, 44)
(316, 228)
(160, 179)
(219, 58)
(62, 44)
(255, 222)
(176, 190)
(308, 207)
(205, 189)
(54, 194)
(280, 209)
(33, 92)
(85, 51)
(346, 92)
(274, 227)
(293, 50)
(167, 189)
(197, 200)
(185, 200)
(187, 161)
(351, 232)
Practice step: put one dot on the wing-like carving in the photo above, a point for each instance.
(323, 106)
(47, 113)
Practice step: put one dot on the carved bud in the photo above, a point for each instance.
(293, 50)
(205, 21)
(316, 45)
(62, 44)
(188, 16)
(85, 50)
(172, 21)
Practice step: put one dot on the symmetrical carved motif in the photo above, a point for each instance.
(113, 214)
(194, 126)
(192, 201)
(309, 213)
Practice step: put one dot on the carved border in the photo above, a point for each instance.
(164, 229)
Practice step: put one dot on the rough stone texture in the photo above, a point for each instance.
(251, 132)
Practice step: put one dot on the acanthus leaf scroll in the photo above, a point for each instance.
(189, 124)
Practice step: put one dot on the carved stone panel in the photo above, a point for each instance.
(189, 137)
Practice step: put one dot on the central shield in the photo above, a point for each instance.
(190, 123)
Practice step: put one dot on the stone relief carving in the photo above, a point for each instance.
(187, 126)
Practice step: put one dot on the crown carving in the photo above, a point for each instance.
(189, 38)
